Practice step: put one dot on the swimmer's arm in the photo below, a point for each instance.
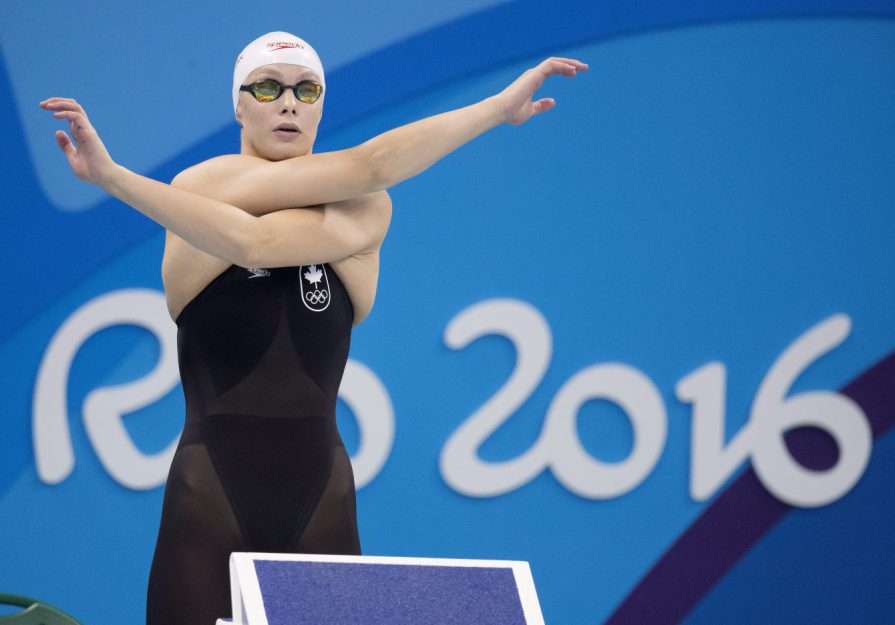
(296, 236)
(207, 179)
(284, 238)
(257, 185)
(221, 229)
(291, 237)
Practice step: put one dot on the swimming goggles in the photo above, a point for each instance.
(307, 91)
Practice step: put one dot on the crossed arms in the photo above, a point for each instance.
(201, 205)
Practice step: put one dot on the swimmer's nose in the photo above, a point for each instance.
(290, 102)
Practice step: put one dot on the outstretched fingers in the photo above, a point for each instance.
(79, 125)
(579, 65)
(66, 108)
(69, 115)
(549, 67)
(88, 157)
(566, 67)
(61, 104)
(56, 100)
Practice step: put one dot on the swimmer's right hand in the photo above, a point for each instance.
(88, 157)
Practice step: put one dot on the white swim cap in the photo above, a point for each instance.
(275, 47)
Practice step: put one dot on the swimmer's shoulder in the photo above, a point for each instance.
(214, 171)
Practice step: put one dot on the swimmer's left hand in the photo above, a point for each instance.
(516, 99)
(87, 156)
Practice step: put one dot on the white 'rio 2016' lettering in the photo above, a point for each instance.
(558, 447)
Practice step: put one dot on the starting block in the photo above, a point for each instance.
(299, 589)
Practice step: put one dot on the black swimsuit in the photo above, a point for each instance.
(260, 465)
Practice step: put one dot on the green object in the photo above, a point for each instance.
(35, 612)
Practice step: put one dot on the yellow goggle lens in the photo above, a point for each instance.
(269, 90)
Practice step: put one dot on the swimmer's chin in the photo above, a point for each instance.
(290, 151)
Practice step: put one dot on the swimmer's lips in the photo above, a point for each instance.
(287, 130)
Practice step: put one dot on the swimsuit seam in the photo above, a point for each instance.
(316, 496)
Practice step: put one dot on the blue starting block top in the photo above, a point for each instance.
(289, 589)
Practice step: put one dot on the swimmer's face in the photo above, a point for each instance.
(260, 120)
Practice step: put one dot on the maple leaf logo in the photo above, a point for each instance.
(313, 275)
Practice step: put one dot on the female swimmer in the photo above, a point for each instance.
(271, 258)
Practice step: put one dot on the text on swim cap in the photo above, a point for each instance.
(279, 45)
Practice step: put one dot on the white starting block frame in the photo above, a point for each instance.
(248, 599)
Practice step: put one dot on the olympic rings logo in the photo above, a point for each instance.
(317, 297)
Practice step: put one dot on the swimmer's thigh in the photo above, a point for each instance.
(189, 580)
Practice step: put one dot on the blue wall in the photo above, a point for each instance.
(717, 188)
